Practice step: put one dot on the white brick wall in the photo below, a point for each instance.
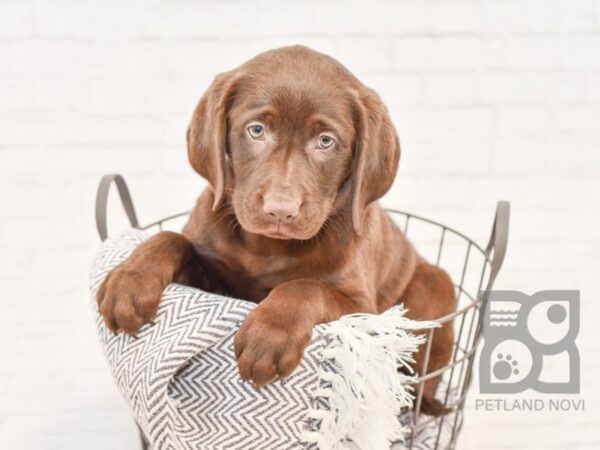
(492, 99)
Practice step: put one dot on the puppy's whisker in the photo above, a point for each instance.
(224, 211)
(233, 224)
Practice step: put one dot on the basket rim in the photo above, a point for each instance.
(473, 302)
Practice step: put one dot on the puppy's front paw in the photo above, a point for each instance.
(266, 350)
(127, 298)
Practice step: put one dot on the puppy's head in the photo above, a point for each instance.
(291, 138)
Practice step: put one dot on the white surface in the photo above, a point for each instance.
(492, 99)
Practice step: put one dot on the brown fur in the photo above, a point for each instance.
(288, 221)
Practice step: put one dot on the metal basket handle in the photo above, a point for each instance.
(498, 240)
(102, 201)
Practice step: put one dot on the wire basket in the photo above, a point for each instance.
(473, 269)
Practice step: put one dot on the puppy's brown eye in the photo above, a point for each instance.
(325, 141)
(256, 131)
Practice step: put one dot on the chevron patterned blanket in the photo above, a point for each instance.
(180, 376)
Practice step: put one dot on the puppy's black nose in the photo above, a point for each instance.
(280, 210)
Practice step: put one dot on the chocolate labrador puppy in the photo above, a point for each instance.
(296, 151)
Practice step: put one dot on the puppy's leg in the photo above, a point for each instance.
(430, 295)
(130, 294)
(272, 339)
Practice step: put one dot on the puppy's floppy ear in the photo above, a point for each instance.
(376, 152)
(207, 133)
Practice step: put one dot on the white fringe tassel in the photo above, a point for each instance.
(366, 392)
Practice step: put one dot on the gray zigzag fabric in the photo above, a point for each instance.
(180, 375)
(181, 379)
